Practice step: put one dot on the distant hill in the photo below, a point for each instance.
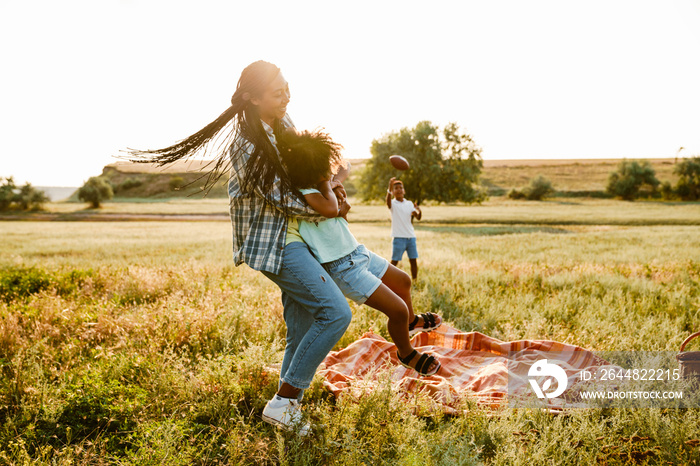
(180, 179)
(569, 176)
(572, 177)
(145, 180)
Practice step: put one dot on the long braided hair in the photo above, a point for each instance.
(221, 139)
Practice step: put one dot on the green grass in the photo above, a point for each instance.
(551, 212)
(494, 211)
(140, 343)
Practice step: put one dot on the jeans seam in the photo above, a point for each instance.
(324, 308)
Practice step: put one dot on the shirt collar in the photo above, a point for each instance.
(268, 129)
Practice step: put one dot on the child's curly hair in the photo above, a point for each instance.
(308, 156)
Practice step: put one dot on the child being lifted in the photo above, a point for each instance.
(364, 277)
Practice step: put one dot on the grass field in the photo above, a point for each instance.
(139, 343)
(575, 211)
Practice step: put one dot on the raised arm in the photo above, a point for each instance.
(325, 202)
(343, 173)
(388, 192)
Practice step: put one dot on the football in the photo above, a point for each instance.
(399, 162)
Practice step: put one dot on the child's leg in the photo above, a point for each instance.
(414, 268)
(399, 282)
(395, 308)
(398, 246)
(412, 252)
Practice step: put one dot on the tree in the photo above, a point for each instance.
(96, 190)
(7, 193)
(629, 178)
(26, 197)
(30, 198)
(445, 166)
(688, 186)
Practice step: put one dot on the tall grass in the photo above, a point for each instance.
(140, 343)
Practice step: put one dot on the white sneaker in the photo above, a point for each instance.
(285, 413)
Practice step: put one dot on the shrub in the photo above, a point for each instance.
(688, 186)
(539, 188)
(176, 182)
(667, 191)
(95, 190)
(26, 197)
(128, 184)
(30, 198)
(7, 193)
(18, 283)
(630, 177)
(515, 194)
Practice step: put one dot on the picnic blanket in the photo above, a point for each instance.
(474, 366)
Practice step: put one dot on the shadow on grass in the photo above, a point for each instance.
(493, 230)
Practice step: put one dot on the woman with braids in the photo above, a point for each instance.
(262, 202)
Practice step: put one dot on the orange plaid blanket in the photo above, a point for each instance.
(474, 366)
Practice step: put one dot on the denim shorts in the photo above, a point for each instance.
(399, 245)
(358, 274)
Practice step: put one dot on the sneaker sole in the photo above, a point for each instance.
(282, 425)
(274, 422)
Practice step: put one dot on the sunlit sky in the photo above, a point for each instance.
(527, 79)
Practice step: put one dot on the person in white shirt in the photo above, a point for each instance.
(403, 236)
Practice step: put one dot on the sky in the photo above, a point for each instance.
(527, 79)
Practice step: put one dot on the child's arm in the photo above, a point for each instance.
(388, 192)
(325, 202)
(343, 172)
(344, 209)
(416, 212)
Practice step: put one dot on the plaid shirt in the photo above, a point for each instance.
(259, 225)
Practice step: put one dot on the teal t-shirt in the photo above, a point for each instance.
(329, 239)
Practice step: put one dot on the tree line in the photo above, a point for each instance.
(445, 165)
(635, 179)
(26, 197)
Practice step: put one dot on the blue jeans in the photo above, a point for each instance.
(315, 311)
